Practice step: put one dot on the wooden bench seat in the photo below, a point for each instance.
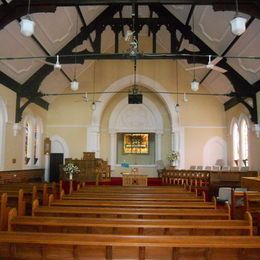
(135, 190)
(137, 226)
(132, 204)
(252, 204)
(130, 212)
(112, 197)
(17, 245)
(33, 191)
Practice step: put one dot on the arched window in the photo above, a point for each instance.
(236, 150)
(28, 141)
(244, 141)
(37, 141)
(26, 144)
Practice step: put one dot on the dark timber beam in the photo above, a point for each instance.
(18, 8)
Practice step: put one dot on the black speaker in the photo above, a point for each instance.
(135, 99)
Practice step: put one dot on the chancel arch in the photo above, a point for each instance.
(93, 131)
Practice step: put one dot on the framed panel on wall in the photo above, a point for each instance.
(136, 143)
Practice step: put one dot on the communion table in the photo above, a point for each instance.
(134, 179)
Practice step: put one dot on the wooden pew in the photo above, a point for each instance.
(32, 191)
(145, 197)
(45, 245)
(133, 204)
(3, 212)
(29, 191)
(133, 190)
(252, 202)
(138, 226)
(130, 212)
(16, 199)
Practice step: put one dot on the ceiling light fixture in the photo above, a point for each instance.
(238, 24)
(194, 85)
(27, 25)
(57, 65)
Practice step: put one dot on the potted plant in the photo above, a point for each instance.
(70, 169)
(173, 157)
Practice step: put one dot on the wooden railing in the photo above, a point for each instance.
(32, 175)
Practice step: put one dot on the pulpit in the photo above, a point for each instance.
(91, 168)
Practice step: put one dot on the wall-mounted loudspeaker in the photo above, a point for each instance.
(135, 99)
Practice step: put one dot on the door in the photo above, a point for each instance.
(56, 159)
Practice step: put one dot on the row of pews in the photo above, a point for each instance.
(114, 222)
(21, 196)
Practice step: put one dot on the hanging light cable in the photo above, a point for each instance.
(93, 105)
(194, 85)
(74, 85)
(27, 25)
(177, 106)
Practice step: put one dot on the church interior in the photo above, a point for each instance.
(129, 129)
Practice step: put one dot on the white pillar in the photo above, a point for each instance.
(93, 140)
(175, 141)
(158, 146)
(47, 168)
(113, 142)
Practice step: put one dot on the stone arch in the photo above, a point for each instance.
(93, 136)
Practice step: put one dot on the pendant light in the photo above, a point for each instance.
(74, 84)
(194, 85)
(27, 25)
(238, 24)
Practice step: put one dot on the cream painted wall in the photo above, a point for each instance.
(14, 144)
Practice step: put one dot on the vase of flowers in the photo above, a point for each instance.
(70, 169)
(173, 157)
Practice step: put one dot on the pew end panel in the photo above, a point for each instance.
(35, 205)
(3, 211)
(11, 215)
(21, 203)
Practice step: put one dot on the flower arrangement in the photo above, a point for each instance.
(71, 169)
(173, 156)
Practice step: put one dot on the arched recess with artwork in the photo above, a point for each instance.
(144, 119)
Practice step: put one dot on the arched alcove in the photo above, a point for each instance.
(59, 145)
(141, 118)
(214, 149)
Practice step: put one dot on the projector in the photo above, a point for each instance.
(135, 98)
